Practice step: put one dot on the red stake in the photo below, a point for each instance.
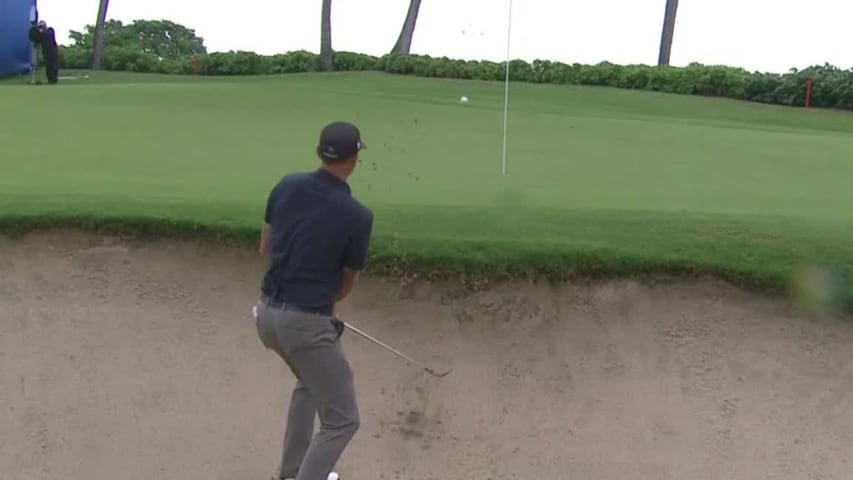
(809, 87)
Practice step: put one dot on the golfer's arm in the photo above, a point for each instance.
(264, 248)
(356, 256)
(347, 282)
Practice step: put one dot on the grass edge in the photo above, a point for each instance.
(410, 266)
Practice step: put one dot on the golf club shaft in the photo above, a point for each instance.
(390, 349)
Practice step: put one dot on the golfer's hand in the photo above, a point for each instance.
(339, 326)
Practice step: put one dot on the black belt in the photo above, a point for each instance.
(269, 302)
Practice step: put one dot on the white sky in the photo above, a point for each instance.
(767, 35)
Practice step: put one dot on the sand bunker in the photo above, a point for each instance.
(140, 361)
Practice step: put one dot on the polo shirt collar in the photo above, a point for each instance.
(332, 180)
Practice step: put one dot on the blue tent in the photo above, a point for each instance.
(15, 47)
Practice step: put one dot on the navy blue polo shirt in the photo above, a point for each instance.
(317, 228)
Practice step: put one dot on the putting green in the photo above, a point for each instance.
(616, 180)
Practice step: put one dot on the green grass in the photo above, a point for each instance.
(599, 181)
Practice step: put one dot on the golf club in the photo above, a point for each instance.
(401, 355)
(34, 16)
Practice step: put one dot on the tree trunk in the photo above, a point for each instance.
(326, 61)
(98, 48)
(668, 32)
(404, 41)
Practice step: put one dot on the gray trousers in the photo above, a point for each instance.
(309, 345)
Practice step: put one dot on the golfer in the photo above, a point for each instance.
(316, 235)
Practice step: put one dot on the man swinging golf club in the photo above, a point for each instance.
(316, 235)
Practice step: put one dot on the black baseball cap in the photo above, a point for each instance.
(339, 140)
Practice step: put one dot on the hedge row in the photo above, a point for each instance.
(833, 87)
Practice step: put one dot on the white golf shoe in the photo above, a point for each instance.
(332, 476)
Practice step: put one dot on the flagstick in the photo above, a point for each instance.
(506, 87)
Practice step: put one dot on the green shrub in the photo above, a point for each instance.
(74, 58)
(833, 87)
(350, 61)
(235, 63)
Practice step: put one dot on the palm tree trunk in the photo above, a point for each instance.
(98, 48)
(668, 32)
(326, 61)
(404, 41)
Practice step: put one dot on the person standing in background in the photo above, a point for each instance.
(45, 37)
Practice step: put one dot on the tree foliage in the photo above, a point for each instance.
(142, 41)
(165, 47)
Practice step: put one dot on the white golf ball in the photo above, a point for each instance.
(464, 99)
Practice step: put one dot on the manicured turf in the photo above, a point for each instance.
(612, 180)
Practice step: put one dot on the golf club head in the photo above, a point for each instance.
(443, 374)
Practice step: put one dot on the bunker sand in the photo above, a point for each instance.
(140, 361)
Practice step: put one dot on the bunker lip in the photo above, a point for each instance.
(471, 273)
(153, 347)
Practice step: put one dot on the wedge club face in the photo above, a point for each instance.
(443, 374)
